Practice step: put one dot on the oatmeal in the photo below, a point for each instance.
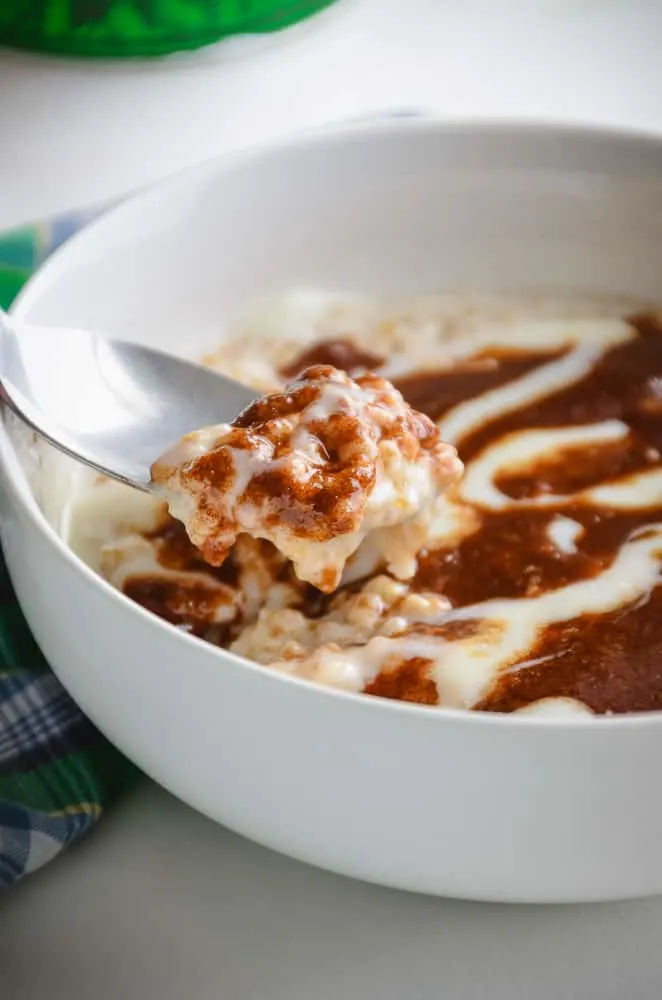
(313, 469)
(537, 589)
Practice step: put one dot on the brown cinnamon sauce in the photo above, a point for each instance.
(613, 663)
(408, 681)
(435, 393)
(342, 353)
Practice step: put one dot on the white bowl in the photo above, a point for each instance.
(469, 805)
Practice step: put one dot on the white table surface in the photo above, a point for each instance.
(163, 904)
(160, 903)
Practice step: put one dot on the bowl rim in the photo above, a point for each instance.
(399, 128)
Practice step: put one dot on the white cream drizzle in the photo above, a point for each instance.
(521, 450)
(564, 533)
(593, 340)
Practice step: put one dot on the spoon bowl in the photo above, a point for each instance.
(129, 402)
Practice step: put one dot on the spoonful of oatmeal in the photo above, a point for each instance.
(313, 469)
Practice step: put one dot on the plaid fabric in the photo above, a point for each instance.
(57, 773)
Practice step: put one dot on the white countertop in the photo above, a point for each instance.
(160, 903)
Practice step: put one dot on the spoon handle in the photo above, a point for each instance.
(52, 380)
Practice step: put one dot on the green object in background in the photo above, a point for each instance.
(121, 28)
(20, 253)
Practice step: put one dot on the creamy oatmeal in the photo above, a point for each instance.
(537, 587)
(313, 469)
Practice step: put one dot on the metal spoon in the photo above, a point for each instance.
(113, 405)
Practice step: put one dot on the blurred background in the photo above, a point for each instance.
(79, 130)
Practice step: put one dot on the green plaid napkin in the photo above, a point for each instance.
(57, 772)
